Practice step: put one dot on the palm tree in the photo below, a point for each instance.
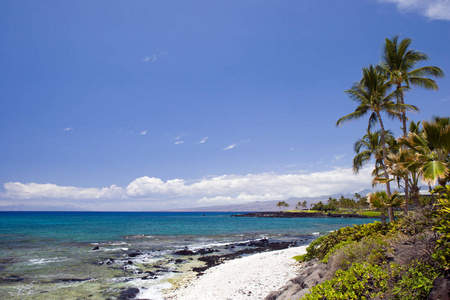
(405, 165)
(383, 201)
(433, 147)
(368, 147)
(398, 62)
(372, 94)
(281, 204)
(304, 204)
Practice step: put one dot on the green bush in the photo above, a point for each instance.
(361, 281)
(321, 246)
(371, 249)
(416, 282)
(443, 226)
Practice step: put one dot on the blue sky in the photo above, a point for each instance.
(147, 105)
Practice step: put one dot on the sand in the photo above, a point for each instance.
(250, 277)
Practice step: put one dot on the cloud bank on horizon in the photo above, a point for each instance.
(225, 189)
(432, 9)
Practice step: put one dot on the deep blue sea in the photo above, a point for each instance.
(97, 255)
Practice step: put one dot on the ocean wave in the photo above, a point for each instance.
(138, 236)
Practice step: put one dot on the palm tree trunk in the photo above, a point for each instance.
(406, 206)
(391, 214)
(383, 146)
(402, 101)
(383, 217)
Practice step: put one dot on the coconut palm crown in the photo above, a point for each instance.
(399, 62)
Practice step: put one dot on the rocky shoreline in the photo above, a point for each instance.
(287, 214)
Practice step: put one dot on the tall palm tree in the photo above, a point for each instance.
(372, 95)
(399, 62)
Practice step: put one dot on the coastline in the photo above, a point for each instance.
(299, 214)
(249, 277)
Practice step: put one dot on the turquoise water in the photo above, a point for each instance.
(49, 255)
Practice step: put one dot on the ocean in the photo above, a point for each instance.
(101, 255)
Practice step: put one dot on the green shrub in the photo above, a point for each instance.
(371, 249)
(321, 246)
(361, 281)
(416, 282)
(443, 226)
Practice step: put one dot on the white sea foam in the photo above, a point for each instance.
(44, 261)
(315, 233)
(153, 290)
(114, 249)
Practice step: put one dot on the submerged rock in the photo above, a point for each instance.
(11, 278)
(128, 294)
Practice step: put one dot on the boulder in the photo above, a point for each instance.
(441, 289)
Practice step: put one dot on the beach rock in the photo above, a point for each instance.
(128, 294)
(185, 251)
(11, 278)
(205, 251)
(134, 254)
(69, 280)
(96, 248)
(312, 273)
(441, 289)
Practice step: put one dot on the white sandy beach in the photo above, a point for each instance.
(251, 277)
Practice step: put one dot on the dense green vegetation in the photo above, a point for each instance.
(399, 260)
(402, 258)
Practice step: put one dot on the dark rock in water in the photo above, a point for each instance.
(259, 243)
(441, 289)
(134, 254)
(128, 294)
(68, 280)
(179, 261)
(149, 277)
(11, 278)
(96, 248)
(185, 251)
(205, 251)
(150, 273)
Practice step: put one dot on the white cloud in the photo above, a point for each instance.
(229, 147)
(17, 190)
(150, 59)
(339, 157)
(432, 9)
(179, 142)
(144, 132)
(225, 189)
(203, 140)
(253, 187)
(68, 128)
